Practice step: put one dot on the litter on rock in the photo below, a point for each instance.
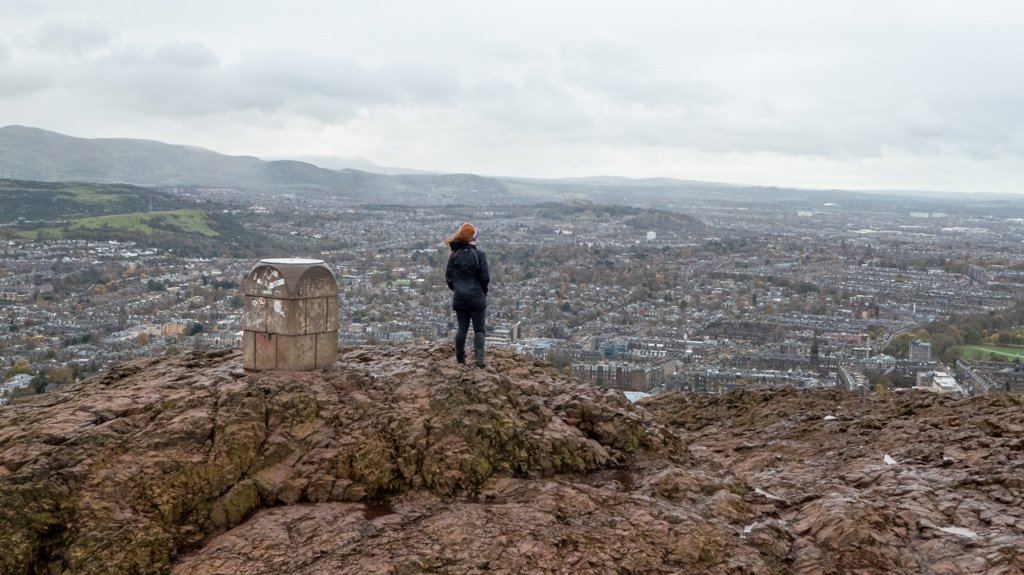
(958, 531)
(889, 460)
(765, 494)
(829, 417)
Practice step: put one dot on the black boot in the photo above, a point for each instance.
(478, 348)
(460, 349)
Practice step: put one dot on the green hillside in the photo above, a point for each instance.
(121, 212)
(191, 233)
(51, 201)
(175, 222)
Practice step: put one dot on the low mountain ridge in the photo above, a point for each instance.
(34, 154)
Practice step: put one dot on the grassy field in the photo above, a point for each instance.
(77, 191)
(187, 221)
(984, 351)
(93, 193)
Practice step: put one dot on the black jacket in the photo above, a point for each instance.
(467, 275)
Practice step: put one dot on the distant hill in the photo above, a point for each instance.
(186, 232)
(360, 164)
(668, 193)
(70, 200)
(34, 154)
(659, 221)
(103, 212)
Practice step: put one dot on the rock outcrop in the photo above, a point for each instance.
(906, 482)
(405, 462)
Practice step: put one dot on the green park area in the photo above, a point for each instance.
(984, 352)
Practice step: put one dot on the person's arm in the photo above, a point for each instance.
(485, 273)
(448, 272)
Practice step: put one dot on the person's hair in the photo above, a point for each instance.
(466, 233)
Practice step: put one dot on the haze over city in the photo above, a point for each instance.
(854, 95)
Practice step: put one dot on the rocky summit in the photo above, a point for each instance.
(402, 461)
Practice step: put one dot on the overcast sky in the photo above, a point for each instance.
(857, 95)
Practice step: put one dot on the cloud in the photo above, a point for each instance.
(20, 78)
(602, 93)
(70, 39)
(189, 80)
(585, 87)
(185, 55)
(18, 81)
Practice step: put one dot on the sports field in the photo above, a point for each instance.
(984, 351)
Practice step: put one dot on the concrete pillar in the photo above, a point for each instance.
(290, 318)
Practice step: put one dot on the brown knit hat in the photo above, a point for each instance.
(466, 233)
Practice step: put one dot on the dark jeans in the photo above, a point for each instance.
(479, 334)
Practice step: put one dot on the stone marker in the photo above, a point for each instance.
(290, 318)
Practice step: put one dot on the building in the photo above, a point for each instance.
(222, 339)
(989, 377)
(613, 347)
(427, 330)
(939, 382)
(504, 336)
(586, 341)
(9, 296)
(621, 374)
(400, 337)
(853, 379)
(133, 333)
(867, 310)
(17, 382)
(173, 328)
(717, 381)
(353, 280)
(920, 351)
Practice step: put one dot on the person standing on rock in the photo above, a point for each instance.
(467, 275)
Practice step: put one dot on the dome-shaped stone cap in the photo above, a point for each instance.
(291, 278)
